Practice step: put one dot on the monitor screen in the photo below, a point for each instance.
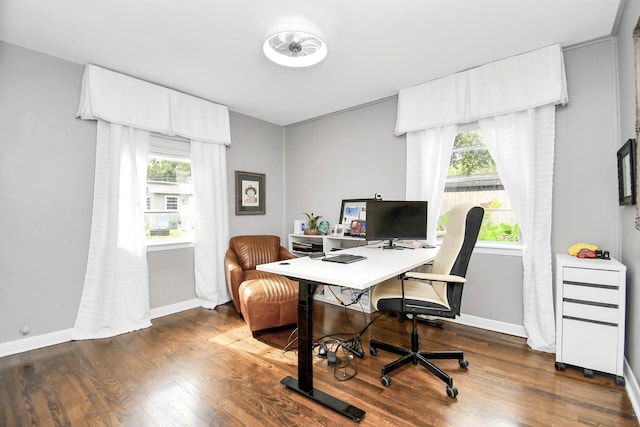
(391, 220)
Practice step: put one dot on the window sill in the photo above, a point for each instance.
(169, 245)
(505, 249)
(494, 248)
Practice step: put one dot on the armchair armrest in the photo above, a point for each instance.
(231, 262)
(234, 275)
(285, 254)
(435, 277)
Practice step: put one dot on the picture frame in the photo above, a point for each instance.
(350, 210)
(636, 50)
(250, 193)
(626, 173)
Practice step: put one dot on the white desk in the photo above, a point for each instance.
(380, 265)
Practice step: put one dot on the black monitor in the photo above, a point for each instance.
(391, 220)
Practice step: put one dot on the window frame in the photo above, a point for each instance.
(170, 148)
(487, 246)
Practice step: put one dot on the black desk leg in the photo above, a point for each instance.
(304, 384)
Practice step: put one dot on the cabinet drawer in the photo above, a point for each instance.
(590, 312)
(589, 275)
(590, 345)
(591, 293)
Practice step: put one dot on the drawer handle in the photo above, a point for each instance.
(594, 303)
(590, 285)
(599, 322)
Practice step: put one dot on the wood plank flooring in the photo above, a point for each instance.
(203, 368)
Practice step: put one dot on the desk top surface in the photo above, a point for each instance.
(379, 265)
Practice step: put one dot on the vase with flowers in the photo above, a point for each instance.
(312, 225)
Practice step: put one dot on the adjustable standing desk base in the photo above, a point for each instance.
(356, 414)
(311, 273)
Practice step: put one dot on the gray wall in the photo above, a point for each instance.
(585, 198)
(171, 277)
(47, 160)
(630, 237)
(257, 146)
(353, 154)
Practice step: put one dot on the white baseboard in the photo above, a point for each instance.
(174, 308)
(491, 325)
(35, 342)
(633, 391)
(59, 337)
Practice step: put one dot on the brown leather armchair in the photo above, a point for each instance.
(265, 300)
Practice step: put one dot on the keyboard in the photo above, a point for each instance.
(344, 258)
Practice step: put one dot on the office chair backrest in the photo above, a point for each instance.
(463, 227)
(453, 257)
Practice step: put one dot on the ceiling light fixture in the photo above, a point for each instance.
(295, 48)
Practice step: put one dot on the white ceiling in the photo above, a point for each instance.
(213, 48)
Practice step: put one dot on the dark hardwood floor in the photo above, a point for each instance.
(203, 368)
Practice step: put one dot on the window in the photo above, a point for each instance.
(169, 204)
(473, 177)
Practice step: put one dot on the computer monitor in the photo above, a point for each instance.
(391, 220)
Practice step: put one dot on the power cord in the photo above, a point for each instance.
(355, 300)
(293, 339)
(339, 348)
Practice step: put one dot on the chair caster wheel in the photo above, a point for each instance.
(619, 380)
(560, 366)
(385, 380)
(588, 373)
(373, 351)
(463, 363)
(452, 391)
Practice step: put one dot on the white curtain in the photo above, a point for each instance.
(428, 154)
(514, 101)
(115, 298)
(209, 169)
(522, 145)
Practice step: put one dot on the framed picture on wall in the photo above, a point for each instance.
(627, 173)
(250, 193)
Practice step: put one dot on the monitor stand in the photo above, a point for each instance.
(391, 245)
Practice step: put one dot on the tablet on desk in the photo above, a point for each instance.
(344, 258)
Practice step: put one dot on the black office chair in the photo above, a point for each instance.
(437, 293)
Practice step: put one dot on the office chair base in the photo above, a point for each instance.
(421, 357)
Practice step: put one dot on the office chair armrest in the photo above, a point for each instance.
(435, 277)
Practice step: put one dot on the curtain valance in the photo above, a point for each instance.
(514, 84)
(120, 99)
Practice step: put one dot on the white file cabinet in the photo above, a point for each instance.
(590, 315)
